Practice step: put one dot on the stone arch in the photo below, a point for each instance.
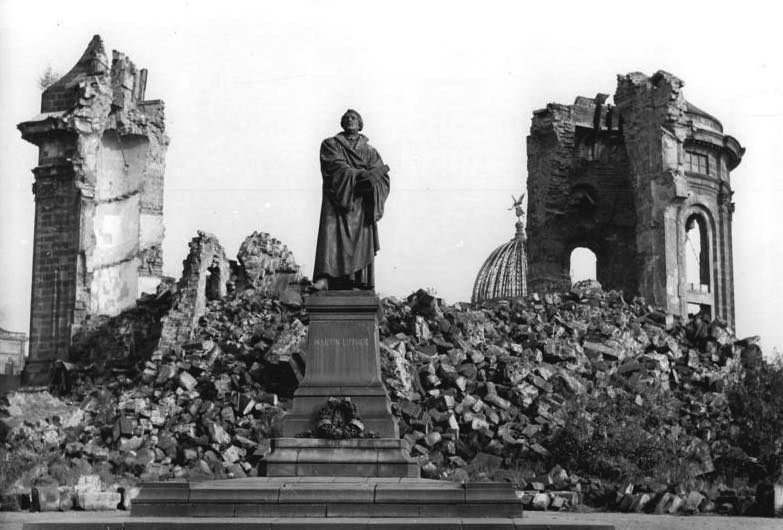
(576, 270)
(701, 296)
(580, 193)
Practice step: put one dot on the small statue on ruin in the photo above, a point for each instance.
(355, 188)
(517, 206)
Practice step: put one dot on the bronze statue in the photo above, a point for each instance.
(517, 206)
(355, 187)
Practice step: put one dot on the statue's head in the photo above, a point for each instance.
(351, 122)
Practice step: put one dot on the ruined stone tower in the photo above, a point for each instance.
(98, 200)
(645, 186)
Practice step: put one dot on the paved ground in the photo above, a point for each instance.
(621, 521)
(634, 521)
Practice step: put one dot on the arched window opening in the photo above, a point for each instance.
(582, 264)
(697, 255)
(213, 283)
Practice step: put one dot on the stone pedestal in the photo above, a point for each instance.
(353, 501)
(343, 360)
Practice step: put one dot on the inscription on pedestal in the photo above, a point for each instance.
(342, 353)
(329, 345)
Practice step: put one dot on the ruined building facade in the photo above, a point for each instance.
(98, 200)
(645, 185)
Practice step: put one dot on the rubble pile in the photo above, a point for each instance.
(578, 397)
(196, 408)
(513, 388)
(128, 337)
(200, 413)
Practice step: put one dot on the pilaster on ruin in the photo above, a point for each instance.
(98, 199)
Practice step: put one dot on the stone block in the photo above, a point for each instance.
(312, 510)
(262, 493)
(325, 493)
(416, 493)
(128, 494)
(557, 503)
(98, 500)
(674, 505)
(777, 503)
(159, 509)
(489, 492)
(211, 509)
(373, 510)
(540, 501)
(477, 511)
(67, 498)
(162, 492)
(88, 483)
(187, 381)
(571, 498)
(640, 502)
(692, 502)
(46, 499)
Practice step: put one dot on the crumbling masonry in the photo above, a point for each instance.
(98, 200)
(645, 185)
(205, 275)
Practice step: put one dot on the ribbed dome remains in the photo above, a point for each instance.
(504, 273)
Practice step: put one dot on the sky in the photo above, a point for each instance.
(446, 90)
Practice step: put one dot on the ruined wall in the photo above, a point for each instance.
(205, 276)
(627, 182)
(98, 191)
(12, 348)
(267, 264)
(655, 127)
(579, 196)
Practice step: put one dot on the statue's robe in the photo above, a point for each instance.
(355, 187)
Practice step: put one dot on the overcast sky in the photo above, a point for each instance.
(446, 90)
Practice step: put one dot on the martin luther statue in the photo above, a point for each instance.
(355, 187)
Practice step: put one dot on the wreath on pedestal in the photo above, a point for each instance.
(339, 420)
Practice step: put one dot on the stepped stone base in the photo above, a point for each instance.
(315, 457)
(314, 523)
(327, 497)
(339, 503)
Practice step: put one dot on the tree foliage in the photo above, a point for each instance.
(48, 78)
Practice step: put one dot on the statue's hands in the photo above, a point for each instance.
(373, 176)
(379, 172)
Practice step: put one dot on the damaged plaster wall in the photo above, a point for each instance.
(99, 199)
(113, 257)
(625, 181)
(205, 276)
